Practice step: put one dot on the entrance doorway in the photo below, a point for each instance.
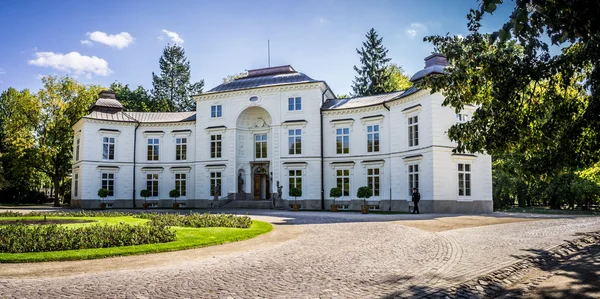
(260, 184)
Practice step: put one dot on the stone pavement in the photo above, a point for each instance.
(336, 255)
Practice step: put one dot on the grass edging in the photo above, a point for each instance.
(187, 238)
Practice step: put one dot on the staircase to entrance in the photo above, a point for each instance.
(249, 204)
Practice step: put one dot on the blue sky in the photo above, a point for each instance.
(100, 42)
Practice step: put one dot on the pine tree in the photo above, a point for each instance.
(172, 88)
(373, 76)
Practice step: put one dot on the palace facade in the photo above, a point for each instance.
(256, 137)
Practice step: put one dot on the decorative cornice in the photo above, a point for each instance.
(108, 122)
(372, 108)
(417, 106)
(259, 90)
(177, 124)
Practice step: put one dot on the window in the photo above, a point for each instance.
(216, 111)
(215, 146)
(464, 179)
(413, 131)
(77, 149)
(373, 138)
(153, 149)
(76, 189)
(342, 140)
(108, 148)
(295, 179)
(152, 184)
(181, 149)
(343, 181)
(295, 141)
(294, 104)
(215, 184)
(462, 118)
(413, 178)
(181, 183)
(373, 180)
(260, 142)
(108, 183)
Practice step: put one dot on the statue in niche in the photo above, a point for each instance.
(279, 190)
(240, 183)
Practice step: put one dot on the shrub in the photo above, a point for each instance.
(10, 214)
(40, 238)
(364, 192)
(145, 194)
(335, 193)
(197, 220)
(66, 214)
(295, 192)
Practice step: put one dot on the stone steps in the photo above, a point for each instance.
(249, 204)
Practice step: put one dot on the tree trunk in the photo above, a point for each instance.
(56, 183)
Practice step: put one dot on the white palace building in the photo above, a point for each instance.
(279, 126)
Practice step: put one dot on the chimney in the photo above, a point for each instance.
(436, 59)
(434, 64)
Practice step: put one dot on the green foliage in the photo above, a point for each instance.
(364, 192)
(230, 78)
(335, 193)
(172, 89)
(342, 96)
(174, 193)
(295, 192)
(145, 193)
(197, 220)
(373, 76)
(81, 213)
(138, 100)
(39, 238)
(398, 79)
(102, 192)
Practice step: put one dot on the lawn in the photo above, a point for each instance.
(186, 238)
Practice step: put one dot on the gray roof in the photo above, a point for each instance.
(111, 103)
(358, 102)
(144, 117)
(263, 81)
(435, 63)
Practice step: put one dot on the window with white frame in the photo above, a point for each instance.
(343, 181)
(77, 149)
(216, 146)
(180, 148)
(153, 147)
(108, 148)
(215, 183)
(76, 185)
(181, 183)
(216, 111)
(413, 177)
(152, 184)
(413, 131)
(295, 179)
(260, 146)
(464, 179)
(294, 104)
(108, 183)
(295, 141)
(373, 138)
(342, 140)
(462, 118)
(373, 180)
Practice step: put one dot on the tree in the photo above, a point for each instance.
(335, 193)
(295, 192)
(235, 76)
(172, 88)
(398, 79)
(342, 96)
(145, 194)
(138, 100)
(364, 192)
(174, 194)
(373, 76)
(103, 193)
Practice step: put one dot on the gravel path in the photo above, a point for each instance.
(309, 255)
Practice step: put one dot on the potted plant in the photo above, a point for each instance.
(295, 192)
(174, 194)
(103, 193)
(145, 194)
(335, 193)
(364, 192)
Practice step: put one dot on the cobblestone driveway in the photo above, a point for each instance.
(342, 255)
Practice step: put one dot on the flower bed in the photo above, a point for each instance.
(65, 214)
(198, 220)
(42, 238)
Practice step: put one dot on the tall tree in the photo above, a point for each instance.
(373, 76)
(172, 88)
(235, 76)
(398, 79)
(138, 100)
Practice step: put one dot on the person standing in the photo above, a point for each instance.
(416, 197)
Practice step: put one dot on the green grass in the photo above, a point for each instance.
(186, 238)
(547, 210)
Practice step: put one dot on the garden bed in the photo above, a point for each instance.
(42, 221)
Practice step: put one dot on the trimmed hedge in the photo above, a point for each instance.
(41, 238)
(65, 214)
(197, 220)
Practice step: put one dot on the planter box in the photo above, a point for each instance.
(102, 206)
(146, 206)
(175, 205)
(364, 209)
(296, 207)
(334, 208)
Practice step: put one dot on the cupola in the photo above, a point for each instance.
(107, 102)
(434, 64)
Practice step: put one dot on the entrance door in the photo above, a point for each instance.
(257, 186)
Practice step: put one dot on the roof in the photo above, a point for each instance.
(144, 117)
(435, 63)
(365, 101)
(107, 100)
(279, 75)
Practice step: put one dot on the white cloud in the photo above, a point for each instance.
(86, 42)
(118, 41)
(72, 63)
(416, 28)
(2, 71)
(174, 36)
(160, 37)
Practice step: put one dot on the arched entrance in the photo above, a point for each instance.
(254, 152)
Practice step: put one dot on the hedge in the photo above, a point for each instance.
(197, 220)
